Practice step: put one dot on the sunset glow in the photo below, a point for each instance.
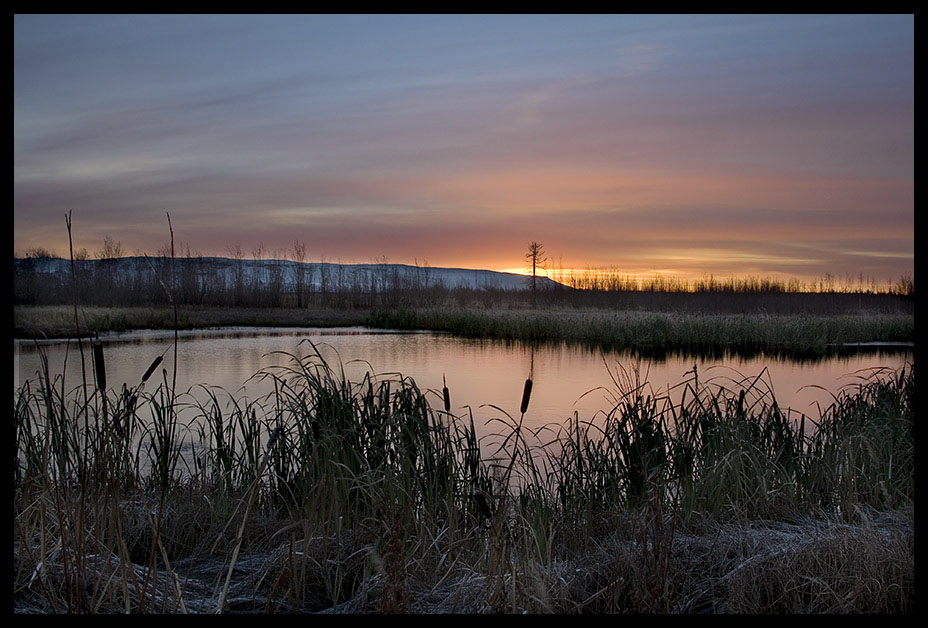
(683, 146)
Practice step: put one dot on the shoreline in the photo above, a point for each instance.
(642, 331)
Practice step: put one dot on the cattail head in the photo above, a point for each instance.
(151, 369)
(99, 365)
(526, 395)
(445, 395)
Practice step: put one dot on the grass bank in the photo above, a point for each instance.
(57, 321)
(647, 333)
(340, 496)
(655, 333)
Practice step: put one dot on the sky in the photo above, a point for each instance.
(682, 145)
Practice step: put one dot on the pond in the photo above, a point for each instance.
(485, 376)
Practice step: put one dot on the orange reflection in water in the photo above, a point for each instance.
(480, 374)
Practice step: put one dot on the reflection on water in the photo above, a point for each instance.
(479, 373)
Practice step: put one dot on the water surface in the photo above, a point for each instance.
(479, 373)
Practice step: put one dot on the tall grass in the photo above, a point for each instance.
(657, 333)
(729, 450)
(341, 484)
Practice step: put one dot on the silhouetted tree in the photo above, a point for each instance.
(536, 258)
(238, 272)
(299, 256)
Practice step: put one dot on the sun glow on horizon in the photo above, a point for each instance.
(612, 277)
(646, 147)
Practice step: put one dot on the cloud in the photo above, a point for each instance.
(615, 140)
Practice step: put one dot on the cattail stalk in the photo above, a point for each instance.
(133, 398)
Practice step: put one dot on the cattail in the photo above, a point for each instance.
(445, 395)
(526, 394)
(151, 369)
(99, 365)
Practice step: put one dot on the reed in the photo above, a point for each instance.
(360, 490)
(656, 334)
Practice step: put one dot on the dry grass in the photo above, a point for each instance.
(659, 333)
(55, 321)
(365, 499)
(647, 332)
(813, 566)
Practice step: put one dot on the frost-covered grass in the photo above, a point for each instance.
(361, 496)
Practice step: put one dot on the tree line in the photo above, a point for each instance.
(261, 280)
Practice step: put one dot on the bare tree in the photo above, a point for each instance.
(299, 256)
(257, 256)
(339, 277)
(383, 270)
(192, 276)
(38, 252)
(106, 277)
(276, 278)
(536, 259)
(238, 271)
(323, 279)
(110, 249)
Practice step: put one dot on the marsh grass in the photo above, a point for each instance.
(657, 334)
(359, 495)
(652, 334)
(56, 321)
